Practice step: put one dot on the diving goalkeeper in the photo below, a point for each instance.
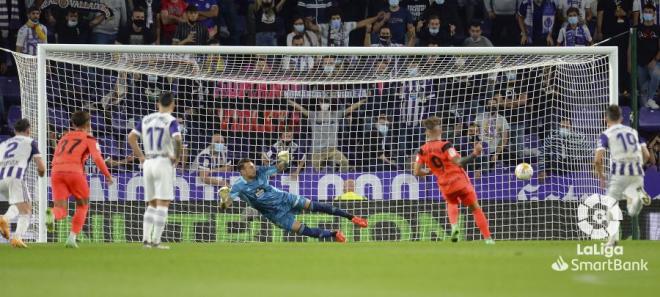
(278, 206)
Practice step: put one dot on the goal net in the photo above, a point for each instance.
(350, 117)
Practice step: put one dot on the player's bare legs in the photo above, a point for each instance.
(481, 221)
(302, 229)
(79, 217)
(331, 210)
(160, 220)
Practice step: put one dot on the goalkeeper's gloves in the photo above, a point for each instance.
(225, 197)
(283, 157)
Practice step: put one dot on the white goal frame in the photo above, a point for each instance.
(44, 50)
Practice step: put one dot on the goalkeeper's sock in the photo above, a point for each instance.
(329, 209)
(315, 232)
(452, 213)
(22, 225)
(482, 222)
(11, 214)
(59, 212)
(148, 224)
(160, 219)
(79, 218)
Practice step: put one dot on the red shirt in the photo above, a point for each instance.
(175, 9)
(437, 155)
(73, 150)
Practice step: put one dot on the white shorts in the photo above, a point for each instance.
(15, 190)
(158, 179)
(622, 186)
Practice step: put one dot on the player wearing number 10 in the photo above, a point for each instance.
(447, 166)
(628, 155)
(68, 177)
(163, 146)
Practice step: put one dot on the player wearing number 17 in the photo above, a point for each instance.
(68, 176)
(163, 146)
(447, 166)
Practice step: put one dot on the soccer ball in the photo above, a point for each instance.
(524, 171)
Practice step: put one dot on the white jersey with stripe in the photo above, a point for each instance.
(15, 156)
(625, 150)
(157, 131)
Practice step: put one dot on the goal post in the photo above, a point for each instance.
(252, 98)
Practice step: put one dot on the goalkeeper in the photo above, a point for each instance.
(278, 206)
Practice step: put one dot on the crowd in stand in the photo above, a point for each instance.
(331, 141)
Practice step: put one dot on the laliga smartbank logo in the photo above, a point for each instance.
(608, 260)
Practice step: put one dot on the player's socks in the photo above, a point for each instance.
(22, 225)
(71, 241)
(148, 224)
(454, 232)
(452, 213)
(160, 219)
(329, 209)
(59, 212)
(12, 213)
(634, 224)
(79, 218)
(482, 222)
(316, 232)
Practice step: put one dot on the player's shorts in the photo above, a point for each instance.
(66, 184)
(286, 213)
(465, 196)
(15, 190)
(158, 179)
(622, 186)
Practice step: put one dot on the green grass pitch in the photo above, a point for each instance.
(321, 269)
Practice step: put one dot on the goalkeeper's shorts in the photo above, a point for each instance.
(285, 215)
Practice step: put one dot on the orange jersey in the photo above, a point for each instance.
(73, 150)
(437, 155)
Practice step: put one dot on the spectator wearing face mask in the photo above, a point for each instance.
(574, 32)
(446, 10)
(324, 122)
(476, 39)
(213, 159)
(648, 55)
(337, 32)
(400, 22)
(68, 31)
(301, 27)
(435, 33)
(564, 151)
(296, 154)
(31, 34)
(137, 33)
(379, 146)
(384, 38)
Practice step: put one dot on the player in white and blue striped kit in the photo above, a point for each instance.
(15, 156)
(627, 157)
(163, 146)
